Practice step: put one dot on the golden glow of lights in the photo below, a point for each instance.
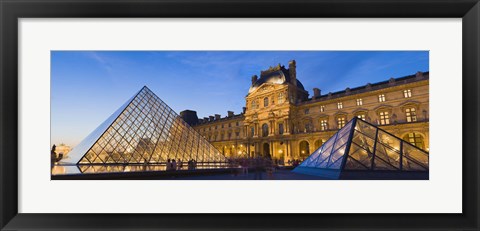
(280, 151)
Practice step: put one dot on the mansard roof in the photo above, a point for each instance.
(372, 86)
(277, 75)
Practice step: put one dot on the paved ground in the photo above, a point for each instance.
(281, 174)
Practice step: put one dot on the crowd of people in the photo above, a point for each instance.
(173, 165)
(294, 162)
(241, 165)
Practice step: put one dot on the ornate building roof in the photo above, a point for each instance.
(276, 75)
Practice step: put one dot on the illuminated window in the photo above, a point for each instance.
(265, 102)
(322, 108)
(415, 139)
(361, 116)
(407, 93)
(384, 118)
(307, 111)
(280, 128)
(411, 114)
(281, 97)
(359, 102)
(381, 98)
(324, 125)
(265, 130)
(339, 105)
(341, 122)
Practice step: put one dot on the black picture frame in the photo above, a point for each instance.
(12, 10)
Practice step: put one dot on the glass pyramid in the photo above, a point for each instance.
(144, 130)
(363, 147)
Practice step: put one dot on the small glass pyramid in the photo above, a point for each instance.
(363, 147)
(144, 130)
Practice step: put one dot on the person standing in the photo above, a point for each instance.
(168, 165)
(179, 164)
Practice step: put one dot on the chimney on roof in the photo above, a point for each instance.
(230, 113)
(254, 79)
(190, 117)
(292, 69)
(244, 109)
(211, 118)
(217, 116)
(391, 81)
(316, 92)
(419, 75)
(200, 121)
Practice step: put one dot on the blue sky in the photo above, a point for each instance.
(88, 86)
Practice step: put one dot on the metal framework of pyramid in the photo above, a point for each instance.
(360, 148)
(144, 130)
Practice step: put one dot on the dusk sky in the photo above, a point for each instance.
(88, 86)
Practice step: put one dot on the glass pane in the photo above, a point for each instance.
(388, 140)
(415, 154)
(366, 129)
(388, 155)
(361, 155)
(351, 164)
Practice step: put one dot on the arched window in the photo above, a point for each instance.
(265, 102)
(304, 149)
(265, 130)
(415, 139)
(318, 143)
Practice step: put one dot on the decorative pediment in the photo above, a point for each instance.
(410, 104)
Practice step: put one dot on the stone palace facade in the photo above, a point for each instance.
(280, 120)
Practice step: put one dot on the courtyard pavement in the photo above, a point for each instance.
(279, 174)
